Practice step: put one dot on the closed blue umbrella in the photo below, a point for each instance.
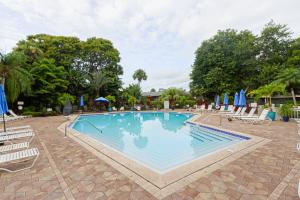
(242, 100)
(218, 101)
(81, 101)
(102, 100)
(3, 105)
(236, 99)
(225, 101)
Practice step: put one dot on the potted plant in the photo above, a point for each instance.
(285, 112)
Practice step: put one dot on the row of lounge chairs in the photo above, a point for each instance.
(239, 114)
(17, 148)
(202, 108)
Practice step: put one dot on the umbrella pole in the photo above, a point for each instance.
(4, 128)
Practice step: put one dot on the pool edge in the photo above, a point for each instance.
(161, 185)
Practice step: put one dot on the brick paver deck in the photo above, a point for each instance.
(66, 170)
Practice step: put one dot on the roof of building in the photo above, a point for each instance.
(151, 94)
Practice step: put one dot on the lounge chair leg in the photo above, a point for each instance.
(18, 170)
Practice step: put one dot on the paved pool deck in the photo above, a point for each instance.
(67, 170)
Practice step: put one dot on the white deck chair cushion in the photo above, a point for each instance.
(222, 108)
(12, 113)
(251, 113)
(16, 128)
(15, 136)
(243, 111)
(15, 132)
(19, 127)
(19, 155)
(14, 147)
(263, 114)
(235, 113)
(209, 108)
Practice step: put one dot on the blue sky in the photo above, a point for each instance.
(159, 36)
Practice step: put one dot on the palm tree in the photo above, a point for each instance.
(290, 77)
(140, 75)
(97, 81)
(14, 77)
(267, 91)
(171, 95)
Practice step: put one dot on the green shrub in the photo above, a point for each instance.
(29, 109)
(40, 113)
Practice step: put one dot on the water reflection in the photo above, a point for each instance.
(172, 121)
(118, 129)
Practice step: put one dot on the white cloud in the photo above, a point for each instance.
(158, 36)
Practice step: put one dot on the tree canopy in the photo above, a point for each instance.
(14, 76)
(140, 75)
(45, 70)
(81, 65)
(232, 60)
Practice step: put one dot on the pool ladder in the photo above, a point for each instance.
(84, 120)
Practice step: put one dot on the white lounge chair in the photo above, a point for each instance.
(18, 157)
(13, 147)
(15, 132)
(122, 108)
(222, 109)
(229, 111)
(250, 114)
(10, 138)
(114, 108)
(7, 118)
(202, 108)
(16, 128)
(209, 108)
(237, 114)
(261, 118)
(138, 108)
(12, 113)
(233, 113)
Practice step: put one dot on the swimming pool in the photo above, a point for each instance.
(158, 140)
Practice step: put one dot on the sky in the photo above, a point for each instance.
(159, 36)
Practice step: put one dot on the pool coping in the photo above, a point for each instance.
(161, 185)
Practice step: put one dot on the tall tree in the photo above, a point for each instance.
(274, 43)
(14, 77)
(226, 62)
(294, 57)
(79, 58)
(140, 75)
(98, 81)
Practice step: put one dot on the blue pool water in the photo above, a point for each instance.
(158, 140)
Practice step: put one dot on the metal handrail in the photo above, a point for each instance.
(84, 120)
